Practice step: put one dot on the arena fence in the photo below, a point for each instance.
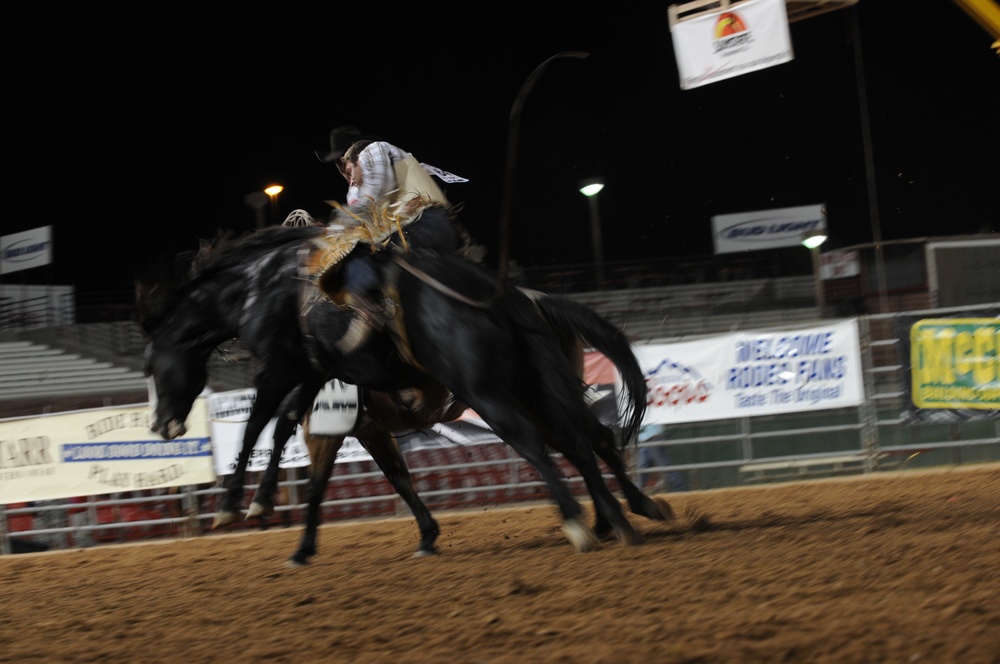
(872, 437)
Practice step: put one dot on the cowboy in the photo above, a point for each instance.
(389, 190)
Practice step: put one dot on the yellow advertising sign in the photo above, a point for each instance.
(956, 363)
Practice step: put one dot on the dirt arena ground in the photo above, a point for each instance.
(891, 568)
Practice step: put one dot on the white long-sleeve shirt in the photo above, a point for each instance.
(378, 178)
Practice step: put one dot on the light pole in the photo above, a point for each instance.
(272, 191)
(590, 188)
(513, 129)
(812, 241)
(257, 201)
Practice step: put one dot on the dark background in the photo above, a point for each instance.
(138, 129)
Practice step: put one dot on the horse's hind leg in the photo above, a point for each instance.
(508, 418)
(610, 516)
(385, 451)
(638, 502)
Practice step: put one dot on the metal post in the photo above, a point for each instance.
(866, 139)
(818, 278)
(595, 234)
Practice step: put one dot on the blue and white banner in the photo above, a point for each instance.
(25, 250)
(745, 374)
(101, 451)
(737, 39)
(766, 229)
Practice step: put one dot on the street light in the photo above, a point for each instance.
(513, 131)
(590, 188)
(273, 191)
(812, 241)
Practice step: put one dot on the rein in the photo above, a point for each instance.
(442, 288)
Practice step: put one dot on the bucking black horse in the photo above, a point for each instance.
(499, 357)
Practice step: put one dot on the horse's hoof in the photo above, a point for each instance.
(603, 532)
(223, 519)
(666, 511)
(424, 553)
(628, 536)
(259, 510)
(581, 537)
(295, 563)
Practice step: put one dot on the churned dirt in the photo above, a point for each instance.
(888, 568)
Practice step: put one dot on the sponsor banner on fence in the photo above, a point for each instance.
(952, 366)
(335, 409)
(746, 37)
(228, 413)
(745, 374)
(100, 451)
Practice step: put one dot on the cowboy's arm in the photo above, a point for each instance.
(378, 178)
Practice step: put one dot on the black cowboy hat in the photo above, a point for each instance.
(341, 139)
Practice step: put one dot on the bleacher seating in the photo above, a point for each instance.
(680, 310)
(31, 369)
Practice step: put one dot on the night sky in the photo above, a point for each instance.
(138, 129)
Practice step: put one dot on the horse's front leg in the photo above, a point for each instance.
(323, 454)
(265, 404)
(385, 451)
(294, 408)
(262, 505)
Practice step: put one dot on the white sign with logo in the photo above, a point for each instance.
(839, 264)
(766, 229)
(228, 413)
(335, 409)
(25, 250)
(737, 39)
(745, 374)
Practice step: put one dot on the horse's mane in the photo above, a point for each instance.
(227, 250)
(164, 282)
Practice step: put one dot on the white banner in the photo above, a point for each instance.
(735, 40)
(335, 409)
(228, 412)
(738, 39)
(25, 250)
(766, 229)
(745, 374)
(839, 264)
(96, 452)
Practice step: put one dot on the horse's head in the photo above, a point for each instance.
(175, 378)
(188, 305)
(170, 307)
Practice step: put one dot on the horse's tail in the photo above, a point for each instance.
(575, 320)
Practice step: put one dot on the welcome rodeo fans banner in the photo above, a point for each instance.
(100, 451)
(952, 366)
(745, 374)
